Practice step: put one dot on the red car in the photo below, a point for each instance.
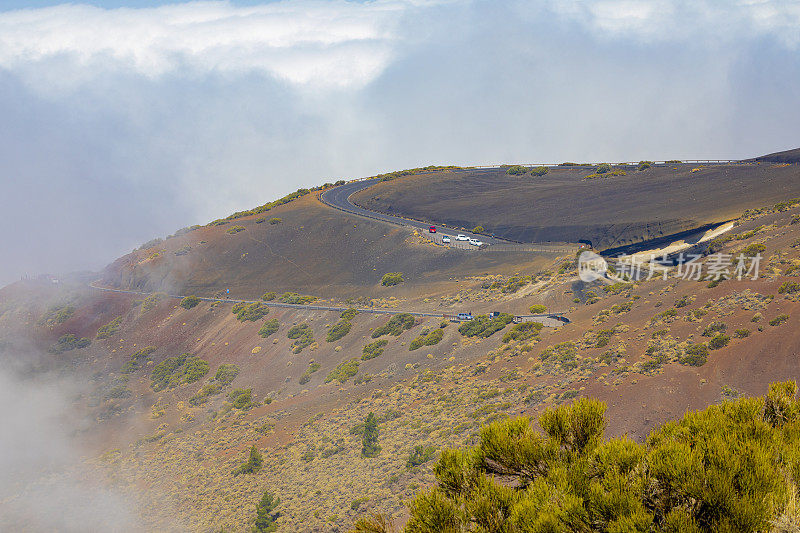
(432, 229)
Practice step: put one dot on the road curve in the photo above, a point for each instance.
(339, 198)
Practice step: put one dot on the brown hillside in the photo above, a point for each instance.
(562, 206)
(315, 249)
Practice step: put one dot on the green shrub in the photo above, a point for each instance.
(69, 342)
(118, 392)
(720, 341)
(174, 371)
(269, 327)
(266, 514)
(537, 309)
(420, 455)
(269, 296)
(369, 438)
(249, 312)
(56, 315)
(303, 337)
(713, 328)
(349, 314)
(137, 360)
(741, 333)
(478, 229)
(374, 349)
(396, 325)
(430, 339)
(539, 171)
(338, 330)
(789, 287)
(306, 377)
(275, 220)
(253, 464)
(523, 331)
(754, 249)
(261, 220)
(695, 355)
(242, 399)
(343, 372)
(644, 165)
(190, 301)
(392, 278)
(516, 170)
(226, 373)
(730, 467)
(778, 320)
(151, 301)
(110, 329)
(603, 168)
(483, 326)
(235, 229)
(295, 298)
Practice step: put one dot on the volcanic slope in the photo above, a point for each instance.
(608, 210)
(308, 248)
(175, 448)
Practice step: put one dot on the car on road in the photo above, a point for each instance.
(461, 237)
(432, 229)
(476, 242)
(445, 239)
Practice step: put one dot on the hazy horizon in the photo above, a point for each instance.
(122, 125)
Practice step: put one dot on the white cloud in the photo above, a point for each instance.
(323, 44)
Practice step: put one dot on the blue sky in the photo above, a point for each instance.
(122, 125)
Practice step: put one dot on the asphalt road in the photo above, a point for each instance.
(339, 198)
(545, 319)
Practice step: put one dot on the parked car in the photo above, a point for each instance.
(432, 229)
(475, 242)
(461, 237)
(445, 239)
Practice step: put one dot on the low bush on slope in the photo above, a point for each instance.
(730, 467)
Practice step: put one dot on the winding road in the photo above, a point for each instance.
(339, 198)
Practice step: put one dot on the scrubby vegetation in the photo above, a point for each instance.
(275, 220)
(152, 300)
(295, 298)
(69, 342)
(302, 335)
(225, 375)
(266, 514)
(427, 339)
(253, 464)
(306, 377)
(235, 229)
(695, 355)
(516, 170)
(110, 329)
(343, 371)
(731, 467)
(483, 326)
(242, 399)
(396, 325)
(369, 437)
(138, 359)
(341, 328)
(392, 278)
(269, 327)
(374, 349)
(190, 302)
(56, 315)
(539, 171)
(249, 312)
(269, 296)
(523, 331)
(537, 309)
(174, 371)
(261, 209)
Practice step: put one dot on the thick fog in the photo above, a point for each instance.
(119, 125)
